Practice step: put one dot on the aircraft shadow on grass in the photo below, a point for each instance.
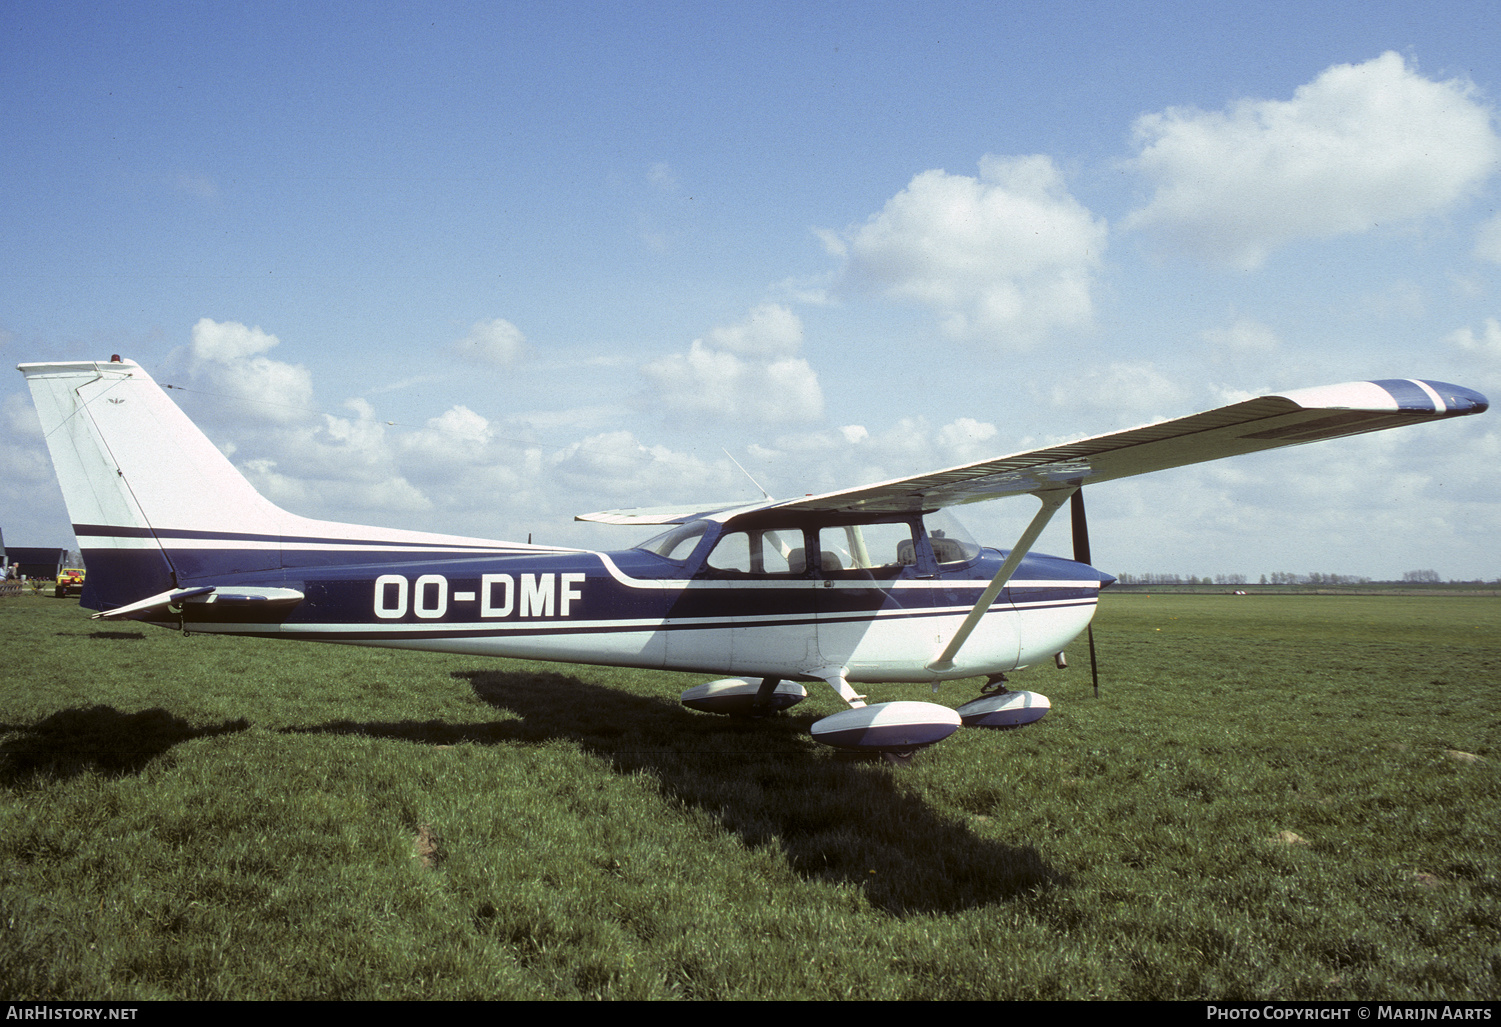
(96, 738)
(837, 820)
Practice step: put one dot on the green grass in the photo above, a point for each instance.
(1268, 801)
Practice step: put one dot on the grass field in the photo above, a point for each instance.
(1273, 798)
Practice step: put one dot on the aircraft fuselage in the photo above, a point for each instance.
(637, 608)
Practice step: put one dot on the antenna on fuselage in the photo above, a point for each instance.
(746, 473)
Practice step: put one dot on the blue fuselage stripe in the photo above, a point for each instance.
(529, 592)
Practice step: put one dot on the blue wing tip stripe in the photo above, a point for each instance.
(1403, 396)
(1433, 397)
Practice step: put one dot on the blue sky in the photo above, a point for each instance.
(479, 267)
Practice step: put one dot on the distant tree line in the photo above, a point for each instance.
(1180, 579)
(1315, 578)
(1426, 577)
(1275, 578)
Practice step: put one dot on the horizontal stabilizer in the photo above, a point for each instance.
(237, 599)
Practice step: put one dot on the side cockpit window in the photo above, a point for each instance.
(878, 549)
(757, 553)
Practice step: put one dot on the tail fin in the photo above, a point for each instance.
(157, 507)
(135, 473)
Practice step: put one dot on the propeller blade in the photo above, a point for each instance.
(1081, 555)
(1094, 670)
(1081, 527)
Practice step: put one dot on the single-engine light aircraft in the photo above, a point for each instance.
(860, 586)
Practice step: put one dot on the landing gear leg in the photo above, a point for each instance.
(848, 694)
(994, 685)
(762, 705)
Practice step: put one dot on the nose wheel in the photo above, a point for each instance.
(998, 706)
(995, 684)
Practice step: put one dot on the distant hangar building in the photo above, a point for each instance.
(36, 562)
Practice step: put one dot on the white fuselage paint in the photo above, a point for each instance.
(515, 618)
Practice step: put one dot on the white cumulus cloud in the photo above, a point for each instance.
(1005, 258)
(745, 371)
(1487, 343)
(1245, 336)
(1130, 389)
(228, 356)
(227, 341)
(1488, 240)
(771, 330)
(497, 343)
(968, 439)
(1361, 145)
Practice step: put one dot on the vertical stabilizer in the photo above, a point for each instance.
(135, 472)
(156, 506)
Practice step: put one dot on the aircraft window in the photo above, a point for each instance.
(677, 544)
(776, 550)
(866, 547)
(951, 541)
(754, 552)
(732, 553)
(832, 556)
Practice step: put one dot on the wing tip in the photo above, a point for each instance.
(1395, 395)
(1459, 400)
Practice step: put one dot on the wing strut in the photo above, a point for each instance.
(1051, 501)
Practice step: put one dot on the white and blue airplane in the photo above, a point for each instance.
(860, 586)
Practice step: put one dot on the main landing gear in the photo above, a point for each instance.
(894, 730)
(744, 697)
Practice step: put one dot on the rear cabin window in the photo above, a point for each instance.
(758, 552)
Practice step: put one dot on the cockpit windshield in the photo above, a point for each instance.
(677, 543)
(952, 542)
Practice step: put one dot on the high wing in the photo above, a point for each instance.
(1282, 419)
(669, 514)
